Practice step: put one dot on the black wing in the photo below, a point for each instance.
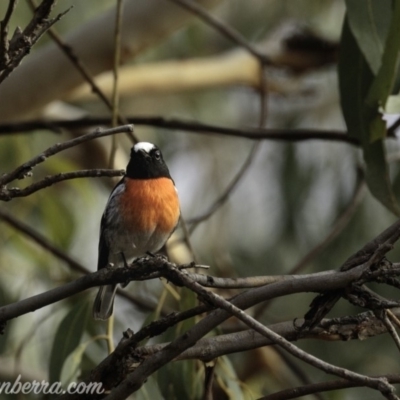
(104, 250)
(103, 247)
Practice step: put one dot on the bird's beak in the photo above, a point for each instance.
(145, 154)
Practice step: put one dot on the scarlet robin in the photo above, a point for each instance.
(141, 214)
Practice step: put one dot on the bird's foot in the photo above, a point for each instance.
(124, 259)
(161, 257)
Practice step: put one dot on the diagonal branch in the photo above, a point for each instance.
(83, 70)
(58, 253)
(221, 27)
(26, 168)
(8, 194)
(4, 44)
(209, 297)
(244, 300)
(296, 392)
(21, 43)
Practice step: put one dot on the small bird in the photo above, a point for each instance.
(141, 214)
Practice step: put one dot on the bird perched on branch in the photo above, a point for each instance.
(141, 214)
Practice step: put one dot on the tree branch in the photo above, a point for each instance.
(21, 43)
(296, 392)
(25, 169)
(135, 379)
(108, 373)
(290, 135)
(150, 268)
(223, 28)
(8, 194)
(83, 70)
(61, 255)
(4, 44)
(358, 327)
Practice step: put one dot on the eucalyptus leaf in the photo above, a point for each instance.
(67, 338)
(364, 121)
(369, 22)
(393, 104)
(383, 83)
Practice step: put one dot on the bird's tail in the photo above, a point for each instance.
(104, 302)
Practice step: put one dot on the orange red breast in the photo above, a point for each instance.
(150, 204)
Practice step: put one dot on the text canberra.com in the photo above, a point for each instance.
(43, 387)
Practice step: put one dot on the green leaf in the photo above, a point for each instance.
(369, 22)
(188, 301)
(67, 338)
(176, 380)
(71, 368)
(383, 83)
(393, 104)
(378, 176)
(363, 121)
(170, 377)
(225, 371)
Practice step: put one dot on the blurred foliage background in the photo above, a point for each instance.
(286, 203)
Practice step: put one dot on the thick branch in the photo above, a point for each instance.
(155, 268)
(136, 379)
(358, 327)
(379, 384)
(107, 371)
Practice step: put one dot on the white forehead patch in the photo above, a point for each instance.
(146, 146)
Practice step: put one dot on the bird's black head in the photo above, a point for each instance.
(146, 162)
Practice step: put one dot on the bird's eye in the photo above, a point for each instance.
(157, 155)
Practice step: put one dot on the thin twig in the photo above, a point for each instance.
(227, 192)
(208, 380)
(22, 41)
(44, 243)
(114, 120)
(296, 370)
(27, 167)
(8, 194)
(297, 392)
(337, 228)
(286, 135)
(115, 92)
(383, 316)
(391, 132)
(4, 44)
(223, 28)
(83, 70)
(393, 317)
